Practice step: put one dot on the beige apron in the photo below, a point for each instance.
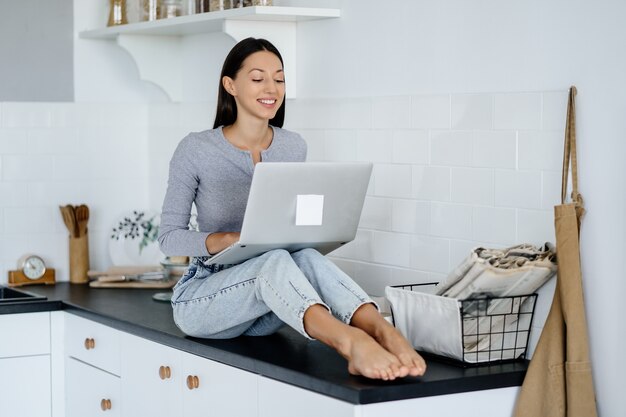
(559, 381)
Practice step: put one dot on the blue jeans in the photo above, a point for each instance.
(259, 296)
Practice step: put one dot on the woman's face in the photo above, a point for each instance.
(259, 86)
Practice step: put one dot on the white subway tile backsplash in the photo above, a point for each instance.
(441, 185)
(26, 115)
(29, 219)
(315, 141)
(430, 254)
(372, 278)
(495, 225)
(53, 141)
(535, 226)
(431, 183)
(554, 110)
(540, 150)
(517, 111)
(472, 111)
(495, 149)
(355, 113)
(460, 250)
(12, 246)
(89, 115)
(392, 181)
(391, 112)
(451, 148)
(550, 189)
(374, 145)
(430, 112)
(518, 189)
(451, 220)
(376, 214)
(63, 115)
(472, 185)
(409, 216)
(390, 249)
(13, 141)
(340, 145)
(26, 167)
(410, 147)
(125, 115)
(311, 113)
(403, 276)
(12, 194)
(58, 193)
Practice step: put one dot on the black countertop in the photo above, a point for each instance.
(285, 356)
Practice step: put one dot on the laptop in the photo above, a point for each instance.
(297, 205)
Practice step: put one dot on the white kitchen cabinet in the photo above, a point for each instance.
(93, 343)
(152, 379)
(91, 391)
(25, 365)
(215, 389)
(92, 368)
(25, 386)
(277, 399)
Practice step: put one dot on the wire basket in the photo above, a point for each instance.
(492, 329)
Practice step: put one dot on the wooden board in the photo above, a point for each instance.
(133, 284)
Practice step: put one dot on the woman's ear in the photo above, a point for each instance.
(229, 85)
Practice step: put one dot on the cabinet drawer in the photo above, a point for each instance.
(91, 391)
(24, 334)
(222, 389)
(92, 343)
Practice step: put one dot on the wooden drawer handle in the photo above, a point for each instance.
(193, 382)
(90, 343)
(165, 372)
(105, 404)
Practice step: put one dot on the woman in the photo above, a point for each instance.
(213, 169)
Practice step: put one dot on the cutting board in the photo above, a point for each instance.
(133, 284)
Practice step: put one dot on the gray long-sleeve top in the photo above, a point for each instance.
(206, 169)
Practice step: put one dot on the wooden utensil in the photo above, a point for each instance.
(82, 218)
(69, 218)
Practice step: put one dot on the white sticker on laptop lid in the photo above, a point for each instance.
(309, 210)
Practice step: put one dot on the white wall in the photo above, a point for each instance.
(381, 49)
(53, 154)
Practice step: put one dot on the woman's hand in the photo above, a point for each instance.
(216, 242)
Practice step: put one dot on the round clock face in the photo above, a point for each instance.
(33, 267)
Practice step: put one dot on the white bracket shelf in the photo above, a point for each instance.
(156, 45)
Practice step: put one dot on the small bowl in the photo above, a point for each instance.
(175, 269)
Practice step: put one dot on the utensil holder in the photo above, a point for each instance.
(79, 259)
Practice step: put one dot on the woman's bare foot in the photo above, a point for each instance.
(369, 320)
(391, 339)
(366, 357)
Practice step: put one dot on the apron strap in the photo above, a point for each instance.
(569, 153)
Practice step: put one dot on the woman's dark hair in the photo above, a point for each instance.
(226, 113)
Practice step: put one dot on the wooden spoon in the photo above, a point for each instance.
(69, 218)
(82, 218)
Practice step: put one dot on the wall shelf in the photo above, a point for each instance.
(155, 45)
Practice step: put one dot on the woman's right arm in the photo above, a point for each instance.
(175, 238)
(217, 242)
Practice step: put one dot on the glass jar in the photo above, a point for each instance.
(117, 13)
(150, 9)
(217, 5)
(260, 2)
(170, 8)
